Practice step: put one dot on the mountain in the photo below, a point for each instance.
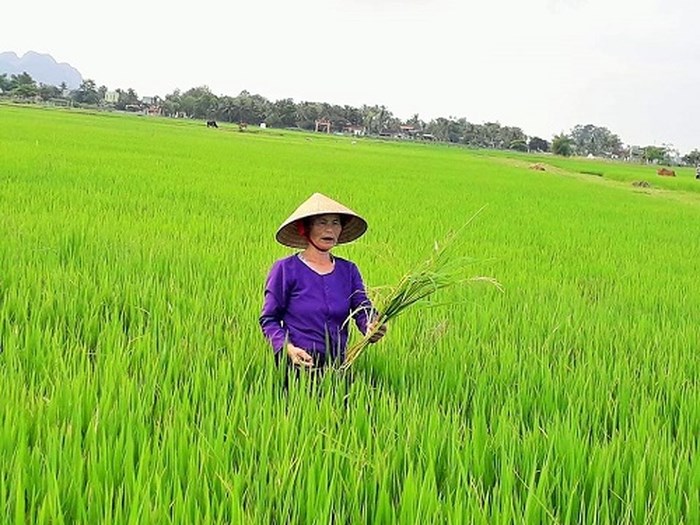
(43, 68)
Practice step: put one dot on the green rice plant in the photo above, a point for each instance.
(443, 269)
(137, 387)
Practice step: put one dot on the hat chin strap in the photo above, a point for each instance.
(301, 229)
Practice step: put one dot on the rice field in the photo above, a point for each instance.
(137, 386)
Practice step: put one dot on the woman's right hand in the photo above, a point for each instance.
(299, 356)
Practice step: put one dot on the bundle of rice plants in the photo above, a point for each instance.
(442, 269)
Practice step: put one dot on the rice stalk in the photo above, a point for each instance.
(440, 271)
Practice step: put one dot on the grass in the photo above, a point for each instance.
(137, 386)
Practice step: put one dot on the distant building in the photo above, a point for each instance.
(150, 106)
(357, 131)
(408, 132)
(111, 97)
(323, 125)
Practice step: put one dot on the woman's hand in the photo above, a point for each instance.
(380, 331)
(299, 356)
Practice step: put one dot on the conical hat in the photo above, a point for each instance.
(318, 204)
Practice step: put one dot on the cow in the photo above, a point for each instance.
(664, 172)
(211, 124)
(697, 172)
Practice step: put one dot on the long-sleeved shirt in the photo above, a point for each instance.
(309, 309)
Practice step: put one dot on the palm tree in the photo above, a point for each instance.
(562, 145)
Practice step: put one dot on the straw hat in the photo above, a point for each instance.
(318, 204)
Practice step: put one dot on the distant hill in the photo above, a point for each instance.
(43, 68)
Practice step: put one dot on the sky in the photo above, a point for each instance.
(632, 66)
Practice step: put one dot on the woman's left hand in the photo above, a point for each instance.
(380, 331)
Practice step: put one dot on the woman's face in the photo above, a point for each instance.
(325, 230)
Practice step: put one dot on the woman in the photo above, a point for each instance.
(309, 295)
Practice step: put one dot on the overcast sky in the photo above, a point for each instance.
(544, 65)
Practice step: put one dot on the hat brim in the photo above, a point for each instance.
(354, 227)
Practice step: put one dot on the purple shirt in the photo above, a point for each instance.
(308, 309)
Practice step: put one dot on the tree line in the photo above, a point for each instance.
(378, 120)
